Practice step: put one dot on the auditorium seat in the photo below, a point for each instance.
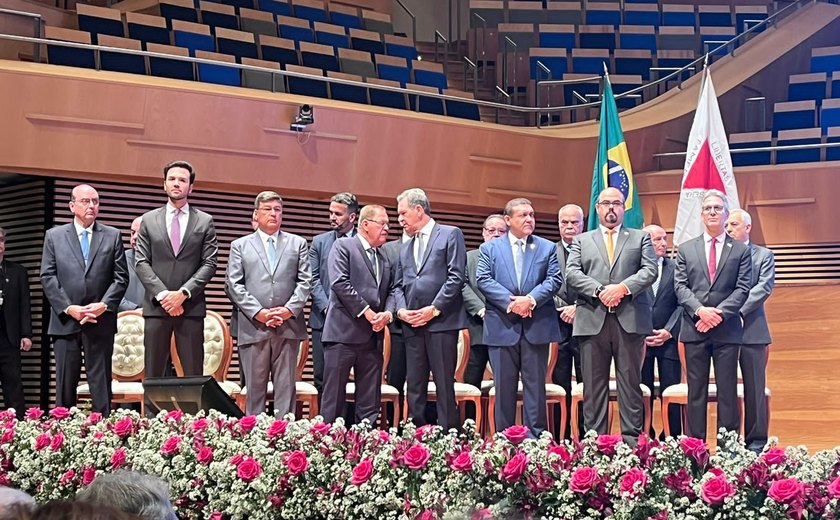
(356, 63)
(788, 115)
(526, 12)
(633, 61)
(384, 98)
(276, 7)
(120, 62)
(492, 11)
(429, 73)
(802, 87)
(183, 10)
(170, 68)
(345, 16)
(714, 16)
(295, 29)
(238, 5)
(377, 22)
(677, 15)
(750, 140)
(825, 59)
(306, 86)
(642, 14)
(99, 20)
(794, 137)
(318, 56)
(603, 13)
(674, 59)
(351, 93)
(712, 38)
(554, 59)
(461, 109)
(622, 83)
(333, 35)
(257, 22)
(835, 84)
(677, 38)
(262, 80)
(597, 37)
(557, 36)
(192, 36)
(401, 46)
(147, 28)
(747, 16)
(239, 44)
(425, 104)
(833, 136)
(590, 61)
(521, 34)
(218, 15)
(369, 41)
(830, 114)
(217, 74)
(69, 56)
(565, 13)
(392, 68)
(588, 90)
(279, 50)
(311, 10)
(637, 37)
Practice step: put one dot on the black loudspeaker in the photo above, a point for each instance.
(188, 394)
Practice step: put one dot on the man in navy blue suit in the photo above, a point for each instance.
(519, 275)
(429, 300)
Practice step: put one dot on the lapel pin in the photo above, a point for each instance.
(533, 246)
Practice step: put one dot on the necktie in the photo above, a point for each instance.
(85, 245)
(712, 259)
(518, 253)
(610, 245)
(418, 259)
(175, 231)
(272, 253)
(656, 282)
(374, 262)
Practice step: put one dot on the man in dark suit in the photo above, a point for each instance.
(494, 226)
(84, 275)
(15, 328)
(133, 298)
(361, 306)
(429, 299)
(396, 372)
(712, 281)
(175, 259)
(268, 280)
(661, 344)
(570, 220)
(519, 275)
(344, 210)
(610, 268)
(753, 356)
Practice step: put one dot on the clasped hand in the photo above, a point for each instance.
(612, 294)
(273, 317)
(417, 317)
(520, 305)
(173, 302)
(86, 313)
(377, 320)
(710, 317)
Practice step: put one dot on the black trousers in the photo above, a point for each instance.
(10, 380)
(568, 360)
(669, 374)
(436, 352)
(698, 357)
(318, 363)
(396, 371)
(189, 343)
(97, 343)
(753, 360)
(366, 361)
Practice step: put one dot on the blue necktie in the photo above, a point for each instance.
(518, 255)
(272, 253)
(85, 245)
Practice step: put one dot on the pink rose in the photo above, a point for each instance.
(276, 429)
(561, 452)
(205, 455)
(421, 432)
(33, 414)
(482, 514)
(247, 423)
(200, 424)
(463, 462)
(8, 436)
(216, 515)
(67, 478)
(174, 415)
(98, 436)
(88, 475)
(833, 488)
(584, 479)
(774, 455)
(785, 490)
(59, 413)
(94, 418)
(384, 436)
(716, 490)
(362, 472)
(633, 482)
(427, 514)
(118, 458)
(248, 470)
(297, 462)
(514, 468)
(124, 427)
(236, 459)
(416, 456)
(516, 433)
(320, 428)
(42, 441)
(695, 448)
(57, 441)
(170, 445)
(606, 443)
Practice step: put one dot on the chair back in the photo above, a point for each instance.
(386, 353)
(303, 355)
(463, 354)
(218, 348)
(128, 359)
(553, 354)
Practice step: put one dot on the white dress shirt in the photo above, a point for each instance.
(264, 237)
(426, 231)
(79, 230)
(718, 246)
(183, 219)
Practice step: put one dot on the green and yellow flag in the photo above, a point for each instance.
(612, 164)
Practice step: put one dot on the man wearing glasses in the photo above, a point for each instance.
(712, 281)
(474, 304)
(610, 268)
(84, 275)
(361, 306)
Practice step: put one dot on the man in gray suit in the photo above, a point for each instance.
(753, 357)
(84, 276)
(133, 298)
(610, 269)
(268, 280)
(430, 303)
(712, 282)
(361, 306)
(494, 226)
(175, 260)
(344, 210)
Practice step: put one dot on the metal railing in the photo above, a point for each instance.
(38, 22)
(470, 65)
(438, 39)
(413, 21)
(737, 151)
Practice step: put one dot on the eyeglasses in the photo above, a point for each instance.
(716, 209)
(87, 202)
(611, 203)
(496, 231)
(570, 222)
(380, 222)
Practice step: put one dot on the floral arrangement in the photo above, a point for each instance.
(261, 468)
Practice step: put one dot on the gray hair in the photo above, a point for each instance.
(2, 232)
(348, 199)
(719, 194)
(512, 203)
(491, 217)
(369, 211)
(143, 495)
(416, 197)
(13, 501)
(745, 217)
(574, 207)
(267, 196)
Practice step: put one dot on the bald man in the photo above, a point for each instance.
(133, 298)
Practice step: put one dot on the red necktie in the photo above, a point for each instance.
(712, 259)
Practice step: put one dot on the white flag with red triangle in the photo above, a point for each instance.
(708, 164)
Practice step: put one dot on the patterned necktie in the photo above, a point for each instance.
(610, 246)
(175, 231)
(272, 253)
(656, 282)
(374, 261)
(85, 245)
(421, 248)
(712, 259)
(518, 254)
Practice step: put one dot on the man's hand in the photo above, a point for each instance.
(81, 314)
(612, 294)
(172, 302)
(418, 317)
(380, 320)
(658, 338)
(25, 344)
(95, 308)
(282, 313)
(481, 313)
(567, 313)
(520, 305)
(267, 316)
(710, 317)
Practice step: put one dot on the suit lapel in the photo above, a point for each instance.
(620, 240)
(666, 280)
(257, 244)
(192, 217)
(598, 238)
(282, 243)
(726, 248)
(699, 247)
(366, 258)
(432, 237)
(527, 259)
(161, 220)
(75, 245)
(96, 241)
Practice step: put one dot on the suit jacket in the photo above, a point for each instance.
(16, 308)
(473, 300)
(565, 295)
(763, 279)
(133, 297)
(391, 250)
(437, 282)
(728, 292)
(353, 288)
(252, 285)
(68, 281)
(666, 312)
(541, 278)
(159, 269)
(588, 267)
(318, 259)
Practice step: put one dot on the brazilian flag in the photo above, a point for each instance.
(612, 164)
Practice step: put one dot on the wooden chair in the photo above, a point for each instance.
(389, 394)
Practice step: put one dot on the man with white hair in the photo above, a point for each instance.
(14, 502)
(753, 355)
(136, 493)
